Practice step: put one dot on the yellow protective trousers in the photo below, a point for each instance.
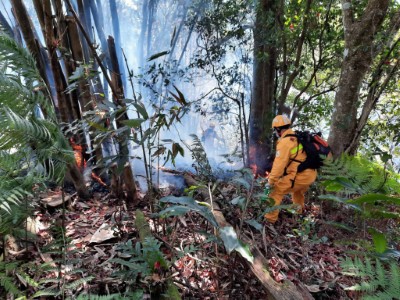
(297, 189)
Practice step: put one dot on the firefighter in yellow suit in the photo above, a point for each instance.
(284, 178)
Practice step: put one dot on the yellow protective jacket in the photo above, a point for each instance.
(289, 154)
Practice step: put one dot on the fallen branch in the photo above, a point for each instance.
(276, 291)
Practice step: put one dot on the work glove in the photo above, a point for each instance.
(267, 189)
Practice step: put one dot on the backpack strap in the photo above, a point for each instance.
(294, 151)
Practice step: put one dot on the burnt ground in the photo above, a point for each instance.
(304, 248)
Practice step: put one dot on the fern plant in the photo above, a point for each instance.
(378, 281)
(143, 260)
(33, 150)
(201, 163)
(8, 273)
(70, 275)
(357, 175)
(363, 185)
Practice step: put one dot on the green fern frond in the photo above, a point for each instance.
(199, 155)
(47, 143)
(23, 100)
(21, 131)
(8, 284)
(12, 223)
(52, 292)
(105, 297)
(376, 281)
(363, 176)
(75, 284)
(19, 60)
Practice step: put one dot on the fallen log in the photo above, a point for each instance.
(276, 291)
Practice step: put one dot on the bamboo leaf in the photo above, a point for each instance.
(133, 123)
(157, 55)
(141, 110)
(181, 98)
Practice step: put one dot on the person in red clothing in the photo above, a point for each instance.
(284, 178)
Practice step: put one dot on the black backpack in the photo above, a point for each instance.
(316, 148)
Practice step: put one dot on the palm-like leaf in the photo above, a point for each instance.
(23, 99)
(46, 142)
(20, 61)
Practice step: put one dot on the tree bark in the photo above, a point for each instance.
(127, 174)
(261, 110)
(117, 36)
(44, 11)
(358, 56)
(30, 39)
(86, 24)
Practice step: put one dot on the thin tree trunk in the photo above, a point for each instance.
(44, 10)
(143, 30)
(117, 36)
(103, 40)
(26, 27)
(127, 174)
(86, 99)
(84, 21)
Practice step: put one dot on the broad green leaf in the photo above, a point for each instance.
(141, 110)
(332, 198)
(241, 181)
(240, 201)
(379, 240)
(372, 198)
(175, 210)
(255, 224)
(340, 225)
(77, 74)
(269, 209)
(231, 242)
(332, 186)
(192, 205)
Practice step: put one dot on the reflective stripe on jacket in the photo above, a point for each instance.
(288, 156)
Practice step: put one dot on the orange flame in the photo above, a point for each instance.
(98, 179)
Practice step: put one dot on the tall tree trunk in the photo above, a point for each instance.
(117, 36)
(127, 175)
(103, 40)
(145, 16)
(358, 56)
(84, 17)
(30, 39)
(45, 18)
(67, 114)
(382, 76)
(86, 98)
(261, 110)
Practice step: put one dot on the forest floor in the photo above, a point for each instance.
(305, 249)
